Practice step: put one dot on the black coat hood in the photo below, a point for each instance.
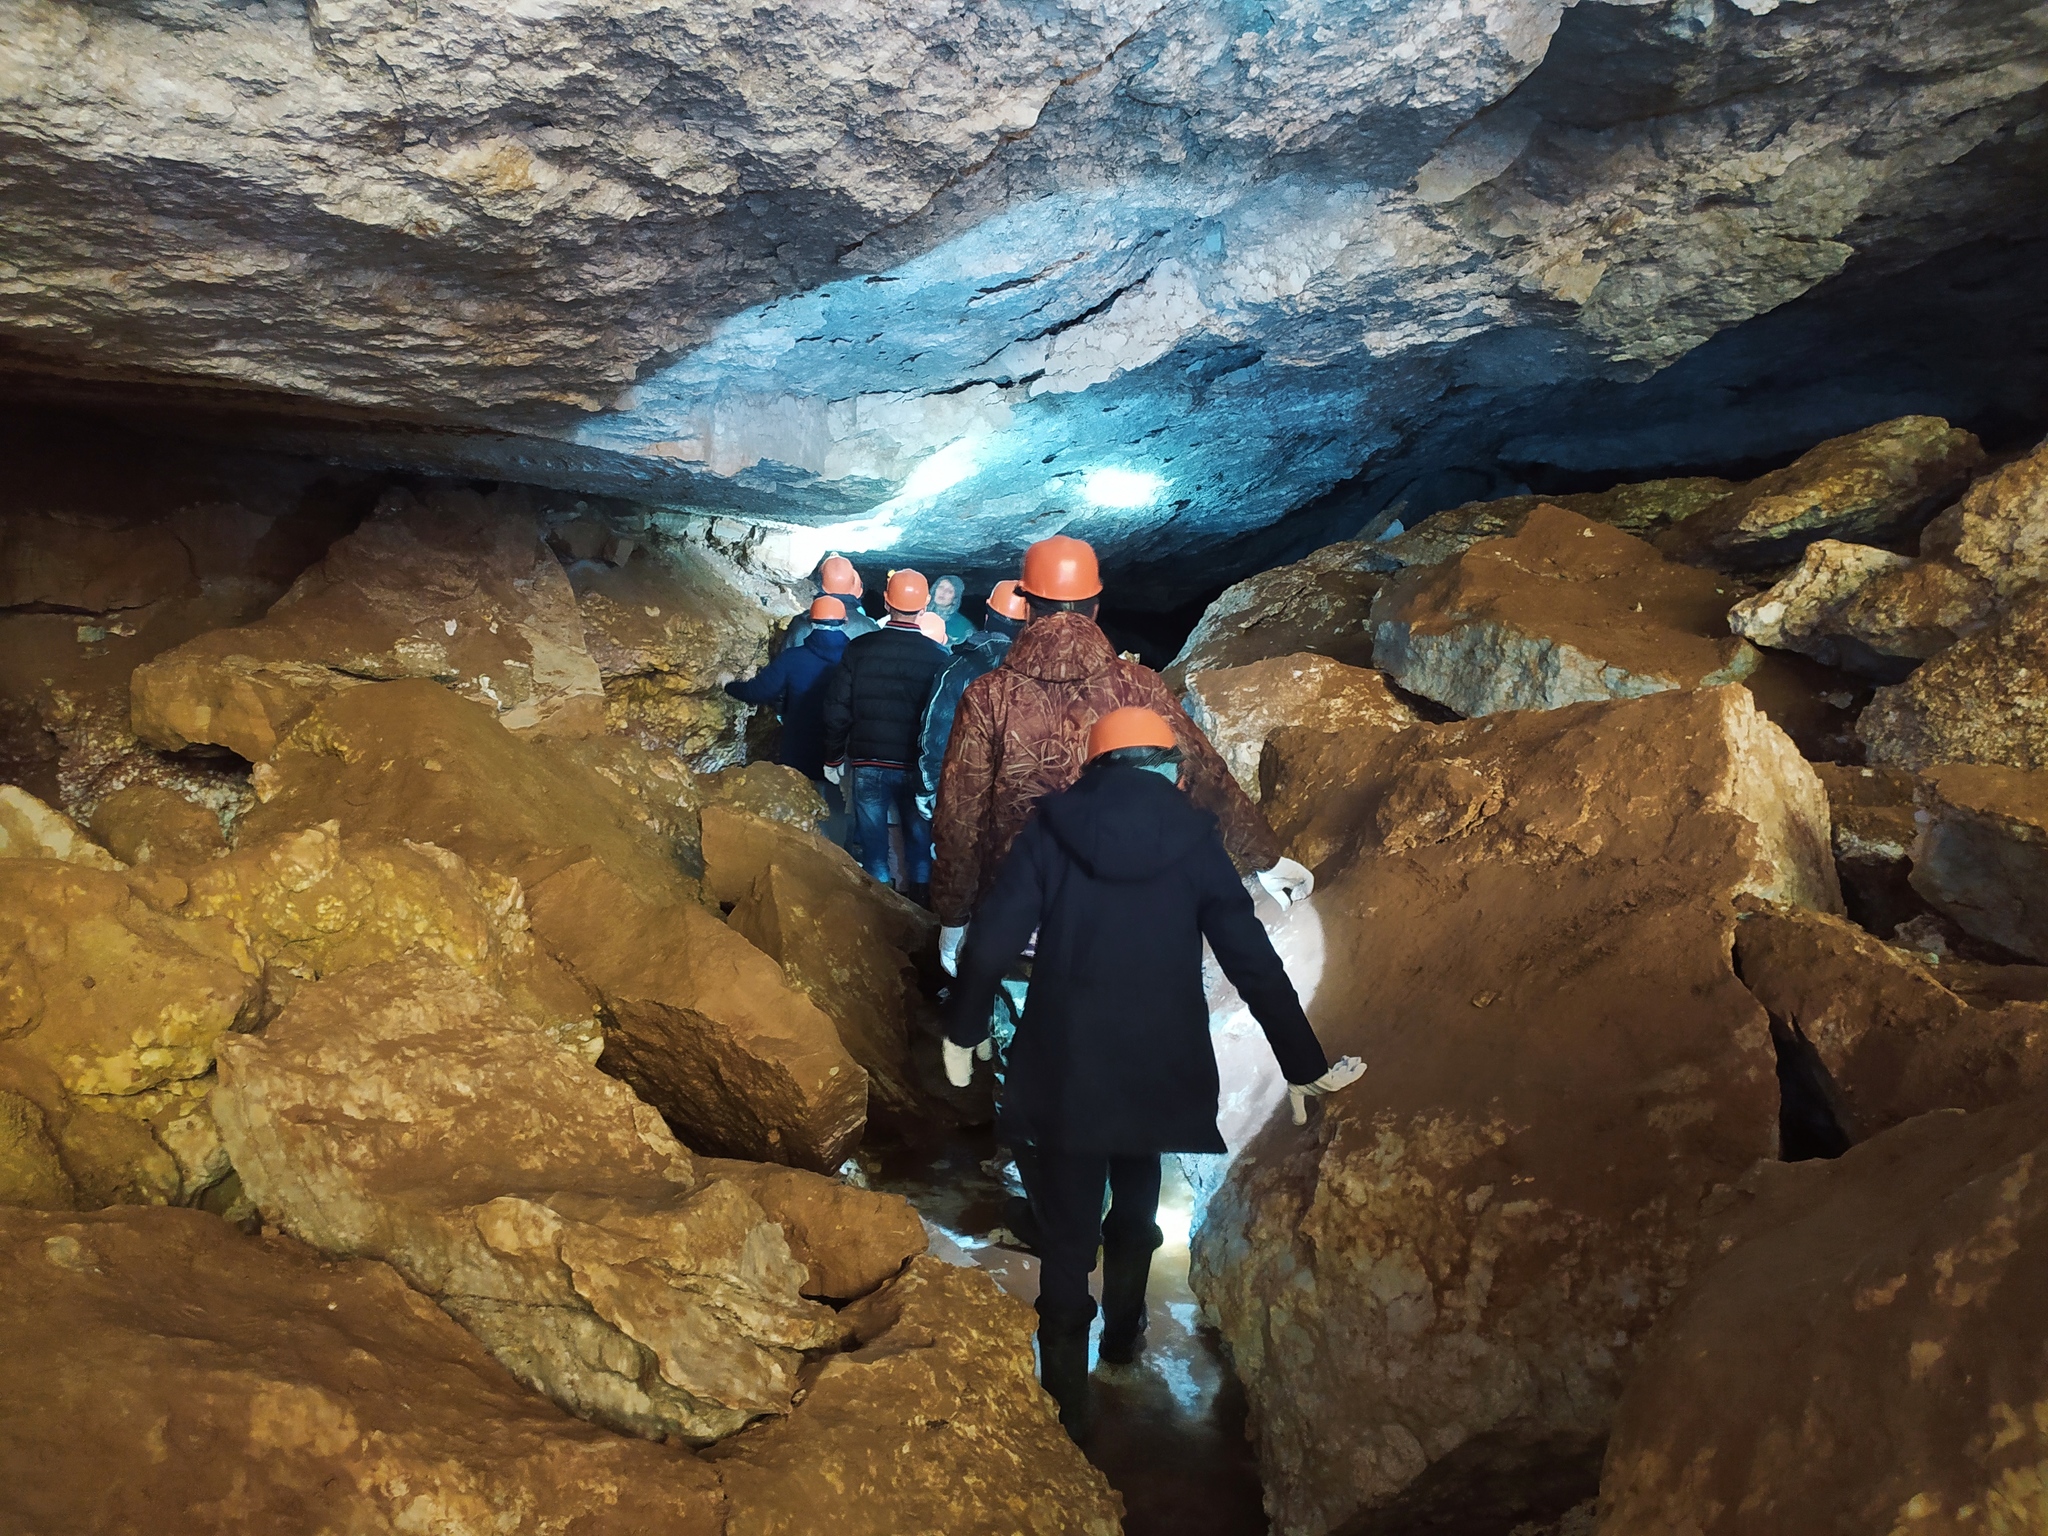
(1124, 824)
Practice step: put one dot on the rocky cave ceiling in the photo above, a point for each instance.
(1200, 281)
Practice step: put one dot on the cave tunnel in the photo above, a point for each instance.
(506, 845)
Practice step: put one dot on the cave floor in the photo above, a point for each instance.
(1170, 1429)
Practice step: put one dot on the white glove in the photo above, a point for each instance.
(1288, 882)
(950, 940)
(960, 1060)
(834, 772)
(1348, 1070)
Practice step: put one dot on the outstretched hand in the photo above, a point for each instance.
(1348, 1070)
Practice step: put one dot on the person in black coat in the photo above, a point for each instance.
(874, 708)
(1121, 877)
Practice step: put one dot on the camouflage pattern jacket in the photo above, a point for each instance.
(1022, 731)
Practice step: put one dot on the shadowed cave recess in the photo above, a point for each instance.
(1584, 468)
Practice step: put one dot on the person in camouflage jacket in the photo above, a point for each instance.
(1022, 732)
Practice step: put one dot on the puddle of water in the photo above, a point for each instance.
(1170, 1428)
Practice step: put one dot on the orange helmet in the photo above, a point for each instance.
(827, 608)
(906, 592)
(1061, 569)
(838, 576)
(1008, 601)
(931, 626)
(1131, 726)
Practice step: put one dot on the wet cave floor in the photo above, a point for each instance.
(1170, 1428)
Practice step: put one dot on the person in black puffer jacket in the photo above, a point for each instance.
(874, 708)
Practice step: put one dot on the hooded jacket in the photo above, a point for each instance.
(1021, 732)
(855, 624)
(874, 701)
(958, 626)
(979, 655)
(1122, 877)
(794, 683)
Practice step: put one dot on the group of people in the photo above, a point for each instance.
(1059, 812)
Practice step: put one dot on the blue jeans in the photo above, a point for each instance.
(874, 791)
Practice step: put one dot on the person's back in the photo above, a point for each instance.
(794, 684)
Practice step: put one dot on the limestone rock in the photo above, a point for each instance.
(568, 1229)
(1643, 509)
(1982, 853)
(93, 565)
(29, 829)
(1566, 611)
(1870, 811)
(1983, 700)
(459, 588)
(168, 1373)
(1320, 604)
(1803, 612)
(1888, 1305)
(773, 790)
(31, 1173)
(1867, 487)
(1446, 1257)
(1239, 707)
(848, 1240)
(1896, 1040)
(147, 824)
(841, 937)
(662, 793)
(1998, 531)
(703, 1024)
(932, 1422)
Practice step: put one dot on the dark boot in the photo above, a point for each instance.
(1126, 1266)
(1063, 1368)
(919, 891)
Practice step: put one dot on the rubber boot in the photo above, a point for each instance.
(1126, 1267)
(1063, 1369)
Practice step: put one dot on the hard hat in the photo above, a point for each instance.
(1008, 601)
(931, 626)
(1131, 726)
(906, 592)
(1060, 569)
(837, 575)
(827, 608)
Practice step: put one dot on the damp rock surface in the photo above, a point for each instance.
(1983, 700)
(1981, 855)
(1239, 708)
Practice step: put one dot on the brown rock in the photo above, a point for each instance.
(1998, 531)
(92, 564)
(933, 1422)
(1888, 1374)
(849, 1240)
(1870, 811)
(841, 937)
(1239, 707)
(460, 589)
(29, 829)
(1567, 611)
(167, 1373)
(1320, 604)
(1919, 611)
(146, 824)
(768, 789)
(1642, 509)
(1983, 700)
(1865, 609)
(31, 1173)
(1896, 1040)
(703, 1024)
(404, 1112)
(1526, 924)
(1868, 487)
(664, 796)
(1982, 853)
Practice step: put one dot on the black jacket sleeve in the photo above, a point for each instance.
(1003, 925)
(838, 711)
(1231, 925)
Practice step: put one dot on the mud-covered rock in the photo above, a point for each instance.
(1237, 708)
(404, 1112)
(1320, 604)
(1998, 530)
(31, 1173)
(1983, 700)
(1643, 509)
(849, 1240)
(168, 1373)
(933, 1421)
(1566, 611)
(1981, 856)
(30, 829)
(1870, 814)
(772, 790)
(148, 824)
(1807, 611)
(1891, 1334)
(1869, 487)
(1518, 914)
(458, 587)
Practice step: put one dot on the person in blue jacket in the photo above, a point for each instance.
(982, 651)
(793, 684)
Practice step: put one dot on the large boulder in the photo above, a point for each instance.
(1238, 708)
(30, 829)
(1981, 855)
(1643, 509)
(459, 587)
(1808, 611)
(1526, 923)
(1865, 1355)
(403, 1111)
(148, 824)
(167, 1373)
(849, 1240)
(1321, 603)
(1983, 700)
(1896, 1041)
(1998, 530)
(1566, 611)
(1869, 487)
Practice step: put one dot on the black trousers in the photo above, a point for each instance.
(1066, 1196)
